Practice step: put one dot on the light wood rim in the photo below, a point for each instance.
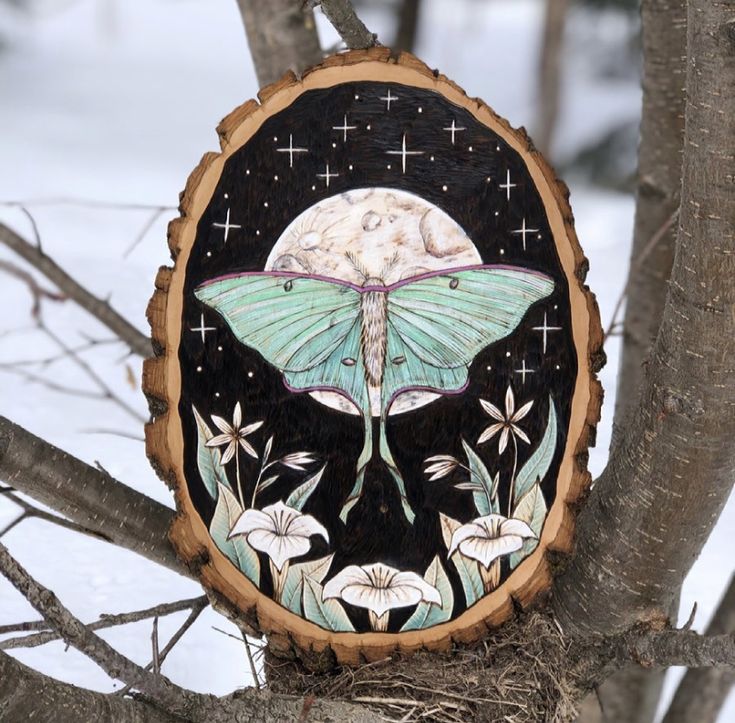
(288, 632)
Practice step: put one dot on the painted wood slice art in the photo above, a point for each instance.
(374, 388)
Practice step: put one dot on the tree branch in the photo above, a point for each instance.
(137, 342)
(86, 495)
(281, 36)
(105, 621)
(673, 467)
(346, 22)
(172, 698)
(29, 695)
(702, 692)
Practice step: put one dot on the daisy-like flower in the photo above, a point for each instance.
(505, 424)
(486, 540)
(282, 533)
(380, 588)
(233, 435)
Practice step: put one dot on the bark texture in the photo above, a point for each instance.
(659, 184)
(673, 466)
(703, 691)
(87, 496)
(281, 36)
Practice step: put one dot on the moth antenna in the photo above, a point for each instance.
(357, 265)
(390, 264)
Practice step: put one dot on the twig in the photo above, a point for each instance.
(115, 433)
(38, 293)
(52, 358)
(157, 213)
(104, 388)
(155, 662)
(75, 633)
(101, 310)
(636, 266)
(30, 511)
(53, 386)
(251, 661)
(85, 202)
(104, 621)
(346, 22)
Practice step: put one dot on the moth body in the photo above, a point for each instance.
(374, 331)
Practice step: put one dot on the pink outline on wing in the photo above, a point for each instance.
(363, 289)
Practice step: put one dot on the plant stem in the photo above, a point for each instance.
(511, 496)
(263, 468)
(237, 469)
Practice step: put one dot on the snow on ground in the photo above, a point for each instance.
(116, 102)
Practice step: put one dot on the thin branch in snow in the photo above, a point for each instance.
(38, 293)
(346, 22)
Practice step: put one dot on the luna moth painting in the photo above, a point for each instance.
(372, 364)
(419, 333)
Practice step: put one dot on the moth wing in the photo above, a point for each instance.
(295, 322)
(439, 323)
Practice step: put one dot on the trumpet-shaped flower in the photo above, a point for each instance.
(488, 538)
(380, 588)
(279, 531)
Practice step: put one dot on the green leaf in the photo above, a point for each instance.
(209, 459)
(469, 572)
(328, 614)
(538, 463)
(479, 475)
(294, 584)
(532, 509)
(428, 614)
(237, 549)
(297, 499)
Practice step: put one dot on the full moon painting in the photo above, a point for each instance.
(376, 363)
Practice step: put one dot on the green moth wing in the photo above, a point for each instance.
(294, 322)
(438, 323)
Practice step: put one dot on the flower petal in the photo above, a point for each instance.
(252, 520)
(410, 579)
(442, 458)
(492, 410)
(229, 453)
(522, 412)
(520, 433)
(237, 416)
(279, 548)
(471, 529)
(248, 448)
(223, 425)
(490, 432)
(514, 526)
(219, 440)
(485, 550)
(305, 526)
(250, 428)
(510, 402)
(350, 575)
(503, 440)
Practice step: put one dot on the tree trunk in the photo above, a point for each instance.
(281, 36)
(673, 466)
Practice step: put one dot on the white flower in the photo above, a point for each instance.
(442, 465)
(233, 434)
(380, 588)
(489, 538)
(506, 422)
(279, 531)
(297, 460)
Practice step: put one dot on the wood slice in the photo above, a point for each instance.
(374, 387)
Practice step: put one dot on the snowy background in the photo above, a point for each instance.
(109, 103)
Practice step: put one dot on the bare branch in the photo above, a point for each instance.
(86, 495)
(137, 341)
(346, 22)
(408, 23)
(75, 633)
(38, 293)
(702, 692)
(105, 621)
